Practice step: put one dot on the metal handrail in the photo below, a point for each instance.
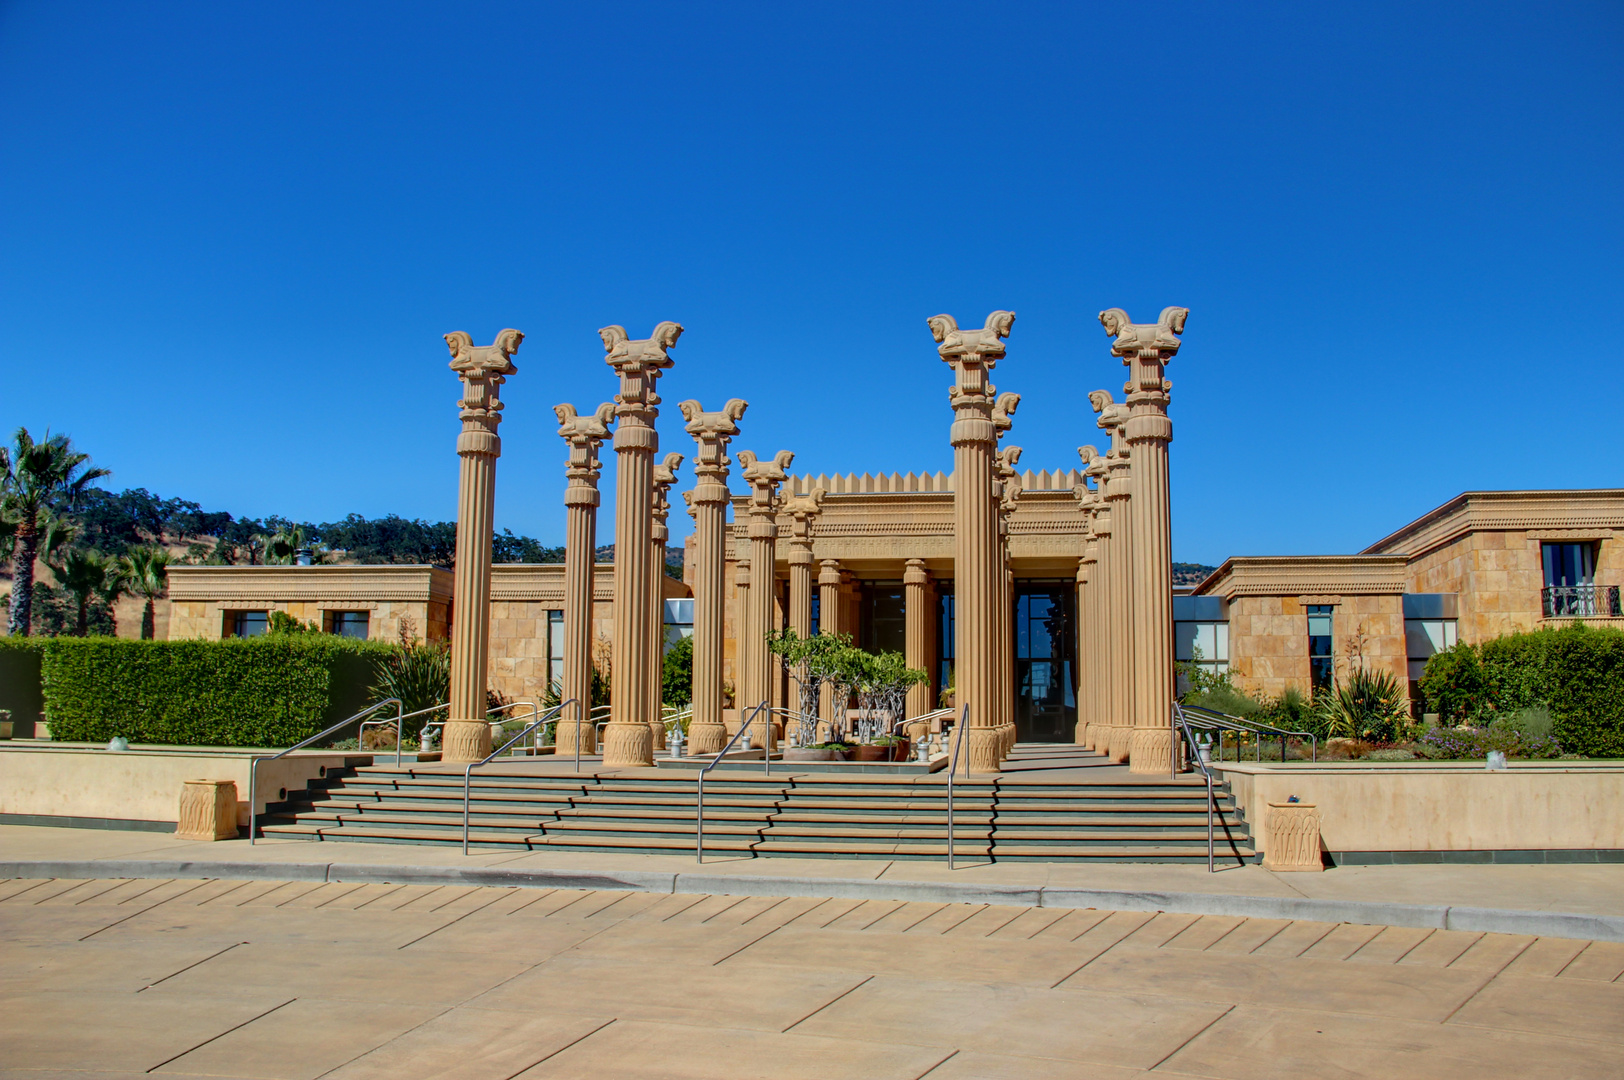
(253, 762)
(1179, 723)
(468, 773)
(953, 767)
(1221, 721)
(699, 799)
(397, 721)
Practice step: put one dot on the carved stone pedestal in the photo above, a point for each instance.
(1150, 750)
(208, 810)
(1292, 837)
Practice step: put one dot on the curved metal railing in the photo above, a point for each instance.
(468, 773)
(253, 762)
(1200, 718)
(699, 797)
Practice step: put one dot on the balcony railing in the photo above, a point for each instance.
(1579, 601)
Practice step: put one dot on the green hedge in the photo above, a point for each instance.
(1576, 672)
(266, 691)
(20, 683)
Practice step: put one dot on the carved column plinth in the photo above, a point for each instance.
(1146, 349)
(208, 810)
(634, 697)
(763, 478)
(708, 504)
(919, 614)
(1120, 598)
(483, 369)
(1292, 837)
(976, 566)
(584, 434)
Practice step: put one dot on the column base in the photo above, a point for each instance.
(627, 744)
(564, 740)
(656, 734)
(706, 738)
(1151, 751)
(981, 753)
(1079, 735)
(1117, 742)
(464, 741)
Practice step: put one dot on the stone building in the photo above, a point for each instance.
(1484, 564)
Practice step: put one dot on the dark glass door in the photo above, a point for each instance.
(1045, 655)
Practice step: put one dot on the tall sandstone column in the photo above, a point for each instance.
(665, 475)
(1088, 638)
(919, 613)
(483, 369)
(802, 510)
(584, 434)
(763, 478)
(1105, 640)
(708, 504)
(830, 621)
(634, 702)
(1119, 617)
(1009, 493)
(972, 355)
(1145, 348)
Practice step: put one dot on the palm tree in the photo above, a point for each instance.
(89, 575)
(146, 570)
(285, 544)
(37, 480)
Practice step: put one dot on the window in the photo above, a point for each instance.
(947, 639)
(679, 621)
(351, 624)
(555, 648)
(1429, 627)
(244, 623)
(1201, 634)
(1321, 662)
(1570, 579)
(884, 622)
(817, 610)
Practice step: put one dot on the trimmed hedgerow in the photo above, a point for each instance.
(1577, 672)
(268, 691)
(19, 682)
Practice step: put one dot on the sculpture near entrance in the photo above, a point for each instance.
(483, 369)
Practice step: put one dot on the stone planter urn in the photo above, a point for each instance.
(1293, 837)
(208, 810)
(899, 749)
(870, 752)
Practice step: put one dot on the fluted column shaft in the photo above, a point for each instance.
(919, 612)
(665, 475)
(742, 615)
(1084, 644)
(483, 370)
(829, 622)
(584, 435)
(1145, 349)
(976, 557)
(762, 529)
(634, 701)
(708, 504)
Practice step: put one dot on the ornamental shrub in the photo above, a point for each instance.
(1453, 685)
(1584, 688)
(267, 691)
(19, 682)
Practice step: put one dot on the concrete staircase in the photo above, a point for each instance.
(1112, 818)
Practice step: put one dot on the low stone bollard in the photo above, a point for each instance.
(1293, 831)
(208, 810)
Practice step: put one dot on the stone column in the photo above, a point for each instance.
(763, 478)
(665, 474)
(972, 355)
(483, 369)
(919, 612)
(1088, 633)
(708, 504)
(633, 701)
(802, 509)
(830, 619)
(1145, 348)
(1009, 493)
(742, 656)
(1119, 596)
(584, 434)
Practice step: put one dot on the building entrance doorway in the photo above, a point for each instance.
(1045, 662)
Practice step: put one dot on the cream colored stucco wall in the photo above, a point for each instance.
(1444, 807)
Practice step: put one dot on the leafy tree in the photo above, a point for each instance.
(677, 673)
(146, 570)
(37, 480)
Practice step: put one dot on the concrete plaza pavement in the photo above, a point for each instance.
(304, 979)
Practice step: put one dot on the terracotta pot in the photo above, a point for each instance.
(899, 750)
(866, 752)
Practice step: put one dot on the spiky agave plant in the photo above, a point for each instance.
(420, 676)
(1368, 705)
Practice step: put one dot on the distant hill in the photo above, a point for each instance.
(1190, 573)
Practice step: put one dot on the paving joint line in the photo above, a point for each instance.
(1572, 925)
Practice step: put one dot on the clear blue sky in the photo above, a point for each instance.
(231, 236)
